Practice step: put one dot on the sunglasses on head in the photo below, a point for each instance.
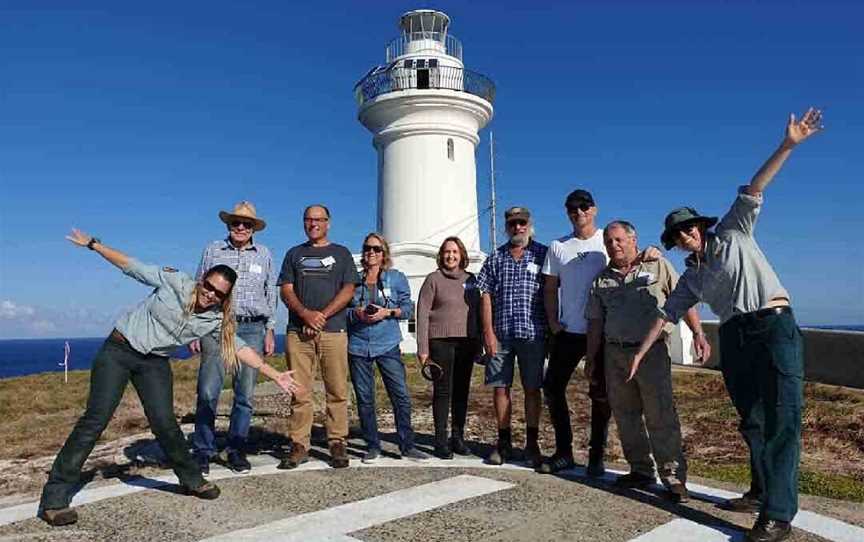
(220, 295)
(584, 206)
(245, 223)
(377, 249)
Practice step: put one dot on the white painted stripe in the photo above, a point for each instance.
(684, 530)
(826, 527)
(355, 516)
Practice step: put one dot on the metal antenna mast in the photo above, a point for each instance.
(493, 227)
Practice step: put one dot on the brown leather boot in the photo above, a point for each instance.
(59, 516)
(298, 455)
(338, 455)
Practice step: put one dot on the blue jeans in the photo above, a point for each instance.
(393, 374)
(211, 376)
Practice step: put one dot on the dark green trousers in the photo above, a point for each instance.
(763, 365)
(113, 367)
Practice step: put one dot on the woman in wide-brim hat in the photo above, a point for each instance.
(761, 348)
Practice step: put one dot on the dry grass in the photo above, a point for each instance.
(38, 413)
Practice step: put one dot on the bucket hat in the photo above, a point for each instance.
(679, 218)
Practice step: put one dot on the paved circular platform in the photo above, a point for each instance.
(395, 499)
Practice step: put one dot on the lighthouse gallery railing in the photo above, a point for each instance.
(382, 81)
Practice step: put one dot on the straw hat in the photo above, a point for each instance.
(243, 211)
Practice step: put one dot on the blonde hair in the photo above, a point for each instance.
(229, 324)
(386, 262)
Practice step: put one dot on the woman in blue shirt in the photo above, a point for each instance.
(178, 311)
(382, 299)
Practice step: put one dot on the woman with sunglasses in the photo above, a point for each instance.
(382, 299)
(178, 311)
(761, 351)
(448, 336)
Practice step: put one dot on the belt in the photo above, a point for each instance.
(624, 344)
(118, 337)
(249, 319)
(761, 313)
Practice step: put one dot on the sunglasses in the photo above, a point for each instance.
(246, 224)
(688, 228)
(377, 249)
(220, 295)
(315, 219)
(580, 207)
(517, 222)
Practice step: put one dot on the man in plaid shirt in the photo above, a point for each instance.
(514, 327)
(254, 304)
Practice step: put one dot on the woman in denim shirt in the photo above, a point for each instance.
(382, 299)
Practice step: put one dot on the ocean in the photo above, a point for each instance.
(19, 357)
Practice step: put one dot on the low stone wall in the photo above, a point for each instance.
(830, 357)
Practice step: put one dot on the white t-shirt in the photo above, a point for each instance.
(575, 262)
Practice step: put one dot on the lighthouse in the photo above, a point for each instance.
(425, 109)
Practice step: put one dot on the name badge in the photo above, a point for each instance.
(256, 268)
(328, 261)
(649, 277)
(386, 292)
(533, 268)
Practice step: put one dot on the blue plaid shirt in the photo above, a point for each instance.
(255, 293)
(516, 289)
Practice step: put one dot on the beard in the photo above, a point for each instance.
(519, 239)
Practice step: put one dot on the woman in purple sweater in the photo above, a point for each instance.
(447, 333)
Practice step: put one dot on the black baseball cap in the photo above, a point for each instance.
(578, 196)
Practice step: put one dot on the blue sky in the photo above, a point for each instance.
(139, 122)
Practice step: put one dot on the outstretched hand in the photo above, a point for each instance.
(287, 382)
(79, 238)
(799, 130)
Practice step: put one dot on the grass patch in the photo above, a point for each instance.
(38, 413)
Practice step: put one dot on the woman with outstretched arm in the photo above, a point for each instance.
(761, 351)
(178, 311)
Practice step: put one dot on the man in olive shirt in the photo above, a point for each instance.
(622, 306)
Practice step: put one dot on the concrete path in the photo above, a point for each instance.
(395, 500)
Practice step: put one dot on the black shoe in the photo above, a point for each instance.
(556, 463)
(443, 451)
(769, 530)
(457, 444)
(533, 456)
(203, 464)
(237, 462)
(58, 517)
(745, 503)
(678, 493)
(207, 491)
(634, 480)
(595, 467)
(502, 453)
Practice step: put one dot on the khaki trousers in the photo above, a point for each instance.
(329, 351)
(646, 402)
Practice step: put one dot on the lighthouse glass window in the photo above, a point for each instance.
(450, 152)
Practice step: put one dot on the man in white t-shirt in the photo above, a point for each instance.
(571, 264)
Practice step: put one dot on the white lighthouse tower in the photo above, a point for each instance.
(425, 110)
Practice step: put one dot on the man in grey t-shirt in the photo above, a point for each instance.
(316, 283)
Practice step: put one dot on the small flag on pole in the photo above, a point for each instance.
(65, 362)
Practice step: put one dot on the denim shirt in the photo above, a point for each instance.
(392, 292)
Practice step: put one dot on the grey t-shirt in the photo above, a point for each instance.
(318, 273)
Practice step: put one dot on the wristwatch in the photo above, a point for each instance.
(392, 313)
(93, 241)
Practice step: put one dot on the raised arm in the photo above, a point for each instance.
(796, 132)
(82, 239)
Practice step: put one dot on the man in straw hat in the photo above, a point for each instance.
(255, 296)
